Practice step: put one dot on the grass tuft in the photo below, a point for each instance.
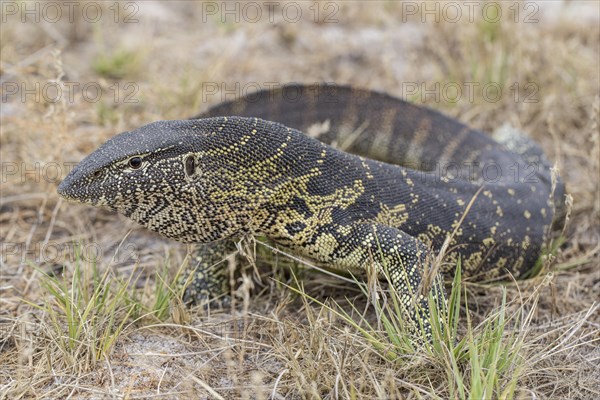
(483, 361)
(117, 64)
(85, 315)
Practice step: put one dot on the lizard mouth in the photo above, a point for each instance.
(64, 192)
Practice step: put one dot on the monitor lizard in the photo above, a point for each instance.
(346, 177)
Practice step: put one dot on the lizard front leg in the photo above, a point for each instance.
(404, 259)
(206, 279)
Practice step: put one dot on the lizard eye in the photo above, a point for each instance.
(135, 162)
(190, 165)
(97, 174)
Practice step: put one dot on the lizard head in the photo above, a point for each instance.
(187, 180)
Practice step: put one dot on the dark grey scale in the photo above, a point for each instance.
(159, 205)
(295, 227)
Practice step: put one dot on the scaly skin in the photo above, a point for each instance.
(215, 179)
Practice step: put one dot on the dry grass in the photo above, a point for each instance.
(65, 331)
